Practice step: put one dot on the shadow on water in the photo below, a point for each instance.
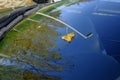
(38, 52)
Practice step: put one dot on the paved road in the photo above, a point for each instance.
(9, 21)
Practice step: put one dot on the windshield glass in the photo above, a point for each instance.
(66, 40)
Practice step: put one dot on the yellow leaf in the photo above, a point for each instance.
(68, 37)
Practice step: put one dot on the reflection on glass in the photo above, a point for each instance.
(32, 47)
